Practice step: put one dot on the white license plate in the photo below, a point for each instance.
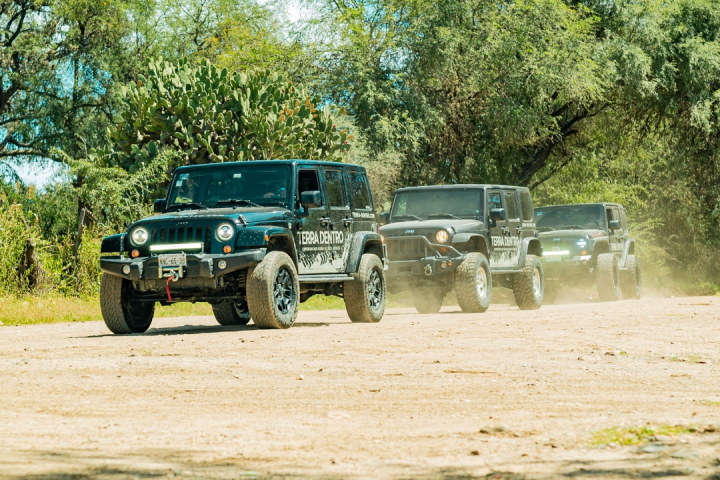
(552, 258)
(173, 260)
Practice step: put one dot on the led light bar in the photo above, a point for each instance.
(176, 246)
(547, 254)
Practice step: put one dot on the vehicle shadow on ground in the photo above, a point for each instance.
(197, 329)
(74, 465)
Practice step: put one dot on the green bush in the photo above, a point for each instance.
(211, 115)
(16, 229)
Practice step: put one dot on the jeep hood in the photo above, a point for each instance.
(591, 232)
(420, 227)
(251, 215)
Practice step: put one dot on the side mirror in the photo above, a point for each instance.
(311, 199)
(384, 218)
(497, 214)
(159, 206)
(614, 224)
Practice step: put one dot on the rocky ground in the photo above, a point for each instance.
(589, 390)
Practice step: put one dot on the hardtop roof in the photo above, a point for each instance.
(604, 204)
(299, 162)
(460, 185)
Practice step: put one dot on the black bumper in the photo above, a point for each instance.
(581, 266)
(199, 265)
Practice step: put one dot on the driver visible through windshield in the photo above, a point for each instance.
(569, 218)
(239, 185)
(437, 204)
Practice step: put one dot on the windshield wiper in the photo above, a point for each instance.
(444, 215)
(237, 201)
(545, 229)
(572, 227)
(413, 217)
(198, 206)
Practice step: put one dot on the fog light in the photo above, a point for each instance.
(222, 264)
(227, 249)
(135, 253)
(443, 265)
(126, 269)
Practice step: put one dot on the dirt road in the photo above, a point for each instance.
(416, 396)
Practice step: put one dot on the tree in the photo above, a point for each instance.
(211, 115)
(57, 59)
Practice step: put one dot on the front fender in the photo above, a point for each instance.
(628, 249)
(113, 243)
(359, 244)
(279, 238)
(530, 245)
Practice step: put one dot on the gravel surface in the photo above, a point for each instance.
(506, 394)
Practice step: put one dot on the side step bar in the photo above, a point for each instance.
(324, 278)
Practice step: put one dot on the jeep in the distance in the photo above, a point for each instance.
(463, 237)
(588, 243)
(253, 239)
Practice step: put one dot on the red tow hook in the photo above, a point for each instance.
(167, 285)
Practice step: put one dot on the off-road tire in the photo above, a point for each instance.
(529, 285)
(366, 296)
(472, 295)
(428, 300)
(608, 277)
(273, 291)
(121, 313)
(630, 279)
(231, 313)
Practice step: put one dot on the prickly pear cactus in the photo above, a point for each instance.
(211, 115)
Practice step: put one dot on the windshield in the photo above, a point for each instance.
(570, 216)
(242, 185)
(440, 203)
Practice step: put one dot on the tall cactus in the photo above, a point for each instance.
(211, 115)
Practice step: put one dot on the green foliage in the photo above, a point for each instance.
(622, 436)
(16, 227)
(211, 115)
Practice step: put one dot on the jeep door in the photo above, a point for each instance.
(363, 213)
(340, 225)
(514, 230)
(617, 237)
(312, 226)
(499, 256)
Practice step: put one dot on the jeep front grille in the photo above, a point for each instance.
(188, 234)
(408, 248)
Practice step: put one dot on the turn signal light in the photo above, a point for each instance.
(584, 252)
(135, 253)
(227, 249)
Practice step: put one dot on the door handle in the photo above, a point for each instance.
(505, 230)
(324, 220)
(519, 230)
(348, 221)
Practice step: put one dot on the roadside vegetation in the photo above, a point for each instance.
(572, 99)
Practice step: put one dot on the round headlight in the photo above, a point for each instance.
(581, 243)
(139, 236)
(442, 236)
(225, 232)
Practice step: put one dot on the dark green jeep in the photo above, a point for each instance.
(253, 239)
(465, 238)
(585, 244)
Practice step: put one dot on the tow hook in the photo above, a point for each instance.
(428, 270)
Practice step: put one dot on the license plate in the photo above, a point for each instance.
(173, 260)
(552, 258)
